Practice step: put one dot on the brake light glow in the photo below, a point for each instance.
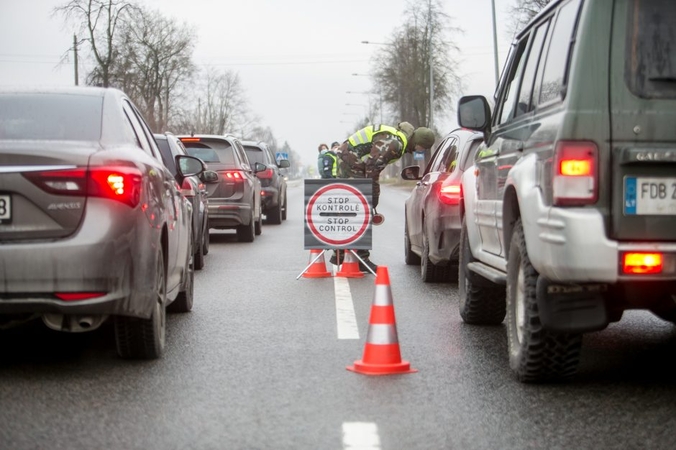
(450, 194)
(575, 177)
(265, 174)
(639, 263)
(190, 139)
(119, 183)
(233, 175)
(187, 189)
(75, 296)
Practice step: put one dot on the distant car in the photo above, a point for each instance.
(273, 182)
(432, 211)
(194, 189)
(92, 224)
(233, 188)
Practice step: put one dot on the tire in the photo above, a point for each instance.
(428, 271)
(535, 354)
(410, 258)
(185, 298)
(274, 216)
(481, 302)
(145, 338)
(198, 257)
(284, 208)
(246, 233)
(258, 225)
(205, 237)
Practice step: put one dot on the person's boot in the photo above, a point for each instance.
(336, 261)
(371, 265)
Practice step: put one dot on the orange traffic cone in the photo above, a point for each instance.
(350, 266)
(381, 353)
(317, 269)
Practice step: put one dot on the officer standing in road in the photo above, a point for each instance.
(368, 151)
(328, 163)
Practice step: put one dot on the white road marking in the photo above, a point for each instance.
(345, 316)
(360, 436)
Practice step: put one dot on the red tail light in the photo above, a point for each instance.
(450, 194)
(187, 189)
(575, 178)
(118, 183)
(233, 175)
(636, 263)
(75, 296)
(265, 174)
(190, 139)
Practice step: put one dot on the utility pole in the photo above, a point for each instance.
(495, 45)
(75, 57)
(429, 24)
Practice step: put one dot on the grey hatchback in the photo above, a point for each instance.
(235, 191)
(92, 225)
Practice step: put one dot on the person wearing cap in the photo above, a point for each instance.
(368, 151)
(322, 149)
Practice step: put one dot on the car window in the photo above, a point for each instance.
(167, 154)
(33, 116)
(241, 154)
(149, 134)
(560, 48)
(435, 162)
(650, 68)
(141, 137)
(524, 104)
(509, 96)
(218, 151)
(255, 154)
(470, 154)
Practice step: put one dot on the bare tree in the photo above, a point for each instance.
(99, 21)
(402, 69)
(154, 56)
(218, 105)
(522, 12)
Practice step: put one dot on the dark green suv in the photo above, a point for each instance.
(570, 213)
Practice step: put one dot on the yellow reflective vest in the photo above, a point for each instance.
(365, 135)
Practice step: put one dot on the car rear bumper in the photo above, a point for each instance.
(269, 197)
(445, 239)
(111, 257)
(229, 215)
(572, 246)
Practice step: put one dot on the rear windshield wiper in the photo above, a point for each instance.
(664, 79)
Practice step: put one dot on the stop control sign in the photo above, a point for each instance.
(338, 214)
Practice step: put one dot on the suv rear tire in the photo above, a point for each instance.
(410, 258)
(481, 302)
(246, 233)
(274, 215)
(535, 354)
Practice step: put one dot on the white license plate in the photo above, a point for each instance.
(5, 208)
(645, 196)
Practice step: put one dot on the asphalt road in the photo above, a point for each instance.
(258, 364)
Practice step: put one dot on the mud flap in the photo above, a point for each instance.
(571, 308)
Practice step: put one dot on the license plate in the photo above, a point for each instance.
(645, 196)
(5, 208)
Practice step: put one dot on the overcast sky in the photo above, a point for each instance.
(295, 58)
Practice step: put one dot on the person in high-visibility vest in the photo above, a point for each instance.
(328, 163)
(368, 151)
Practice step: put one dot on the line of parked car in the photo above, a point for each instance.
(100, 218)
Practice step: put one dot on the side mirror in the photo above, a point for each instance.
(474, 113)
(189, 166)
(411, 173)
(209, 176)
(259, 167)
(283, 163)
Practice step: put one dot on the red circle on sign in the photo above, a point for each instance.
(338, 242)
